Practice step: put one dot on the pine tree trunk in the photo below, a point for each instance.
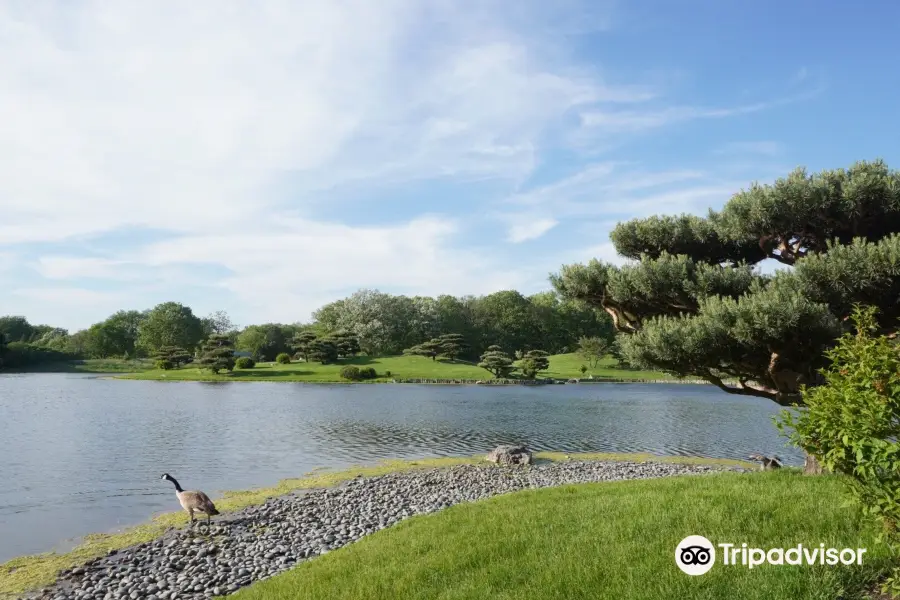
(811, 466)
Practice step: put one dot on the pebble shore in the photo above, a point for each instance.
(261, 541)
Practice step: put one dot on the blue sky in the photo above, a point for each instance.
(266, 158)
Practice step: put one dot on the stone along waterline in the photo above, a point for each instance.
(264, 540)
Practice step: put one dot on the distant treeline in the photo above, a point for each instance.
(385, 324)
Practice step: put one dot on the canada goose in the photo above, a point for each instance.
(766, 463)
(191, 501)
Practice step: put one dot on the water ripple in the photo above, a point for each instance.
(82, 454)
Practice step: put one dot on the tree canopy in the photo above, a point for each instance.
(170, 324)
(692, 301)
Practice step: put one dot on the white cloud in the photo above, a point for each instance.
(635, 121)
(526, 227)
(71, 296)
(762, 148)
(71, 267)
(235, 125)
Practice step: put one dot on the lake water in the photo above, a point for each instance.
(81, 454)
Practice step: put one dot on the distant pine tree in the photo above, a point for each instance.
(347, 343)
(323, 351)
(431, 349)
(533, 362)
(172, 357)
(497, 362)
(452, 345)
(302, 343)
(217, 353)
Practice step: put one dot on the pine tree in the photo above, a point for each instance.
(431, 349)
(691, 302)
(347, 343)
(217, 353)
(533, 362)
(452, 345)
(172, 357)
(497, 362)
(323, 351)
(302, 344)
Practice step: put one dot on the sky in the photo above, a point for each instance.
(265, 158)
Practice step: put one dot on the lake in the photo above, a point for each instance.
(82, 454)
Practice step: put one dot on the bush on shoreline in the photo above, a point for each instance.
(244, 362)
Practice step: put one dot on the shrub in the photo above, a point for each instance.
(245, 362)
(368, 373)
(583, 369)
(852, 424)
(284, 358)
(165, 364)
(387, 374)
(351, 372)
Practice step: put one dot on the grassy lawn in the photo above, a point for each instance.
(562, 366)
(92, 365)
(567, 366)
(599, 541)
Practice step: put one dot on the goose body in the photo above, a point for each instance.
(193, 501)
(767, 463)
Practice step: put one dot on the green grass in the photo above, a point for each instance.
(562, 366)
(93, 365)
(568, 366)
(600, 541)
(29, 572)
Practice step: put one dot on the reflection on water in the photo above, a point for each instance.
(81, 454)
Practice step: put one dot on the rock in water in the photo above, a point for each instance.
(510, 455)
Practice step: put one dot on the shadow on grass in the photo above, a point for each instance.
(268, 373)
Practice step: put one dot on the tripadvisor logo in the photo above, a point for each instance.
(696, 555)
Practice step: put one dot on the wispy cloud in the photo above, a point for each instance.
(527, 227)
(761, 148)
(633, 121)
(251, 133)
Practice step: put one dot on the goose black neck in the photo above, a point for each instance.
(177, 485)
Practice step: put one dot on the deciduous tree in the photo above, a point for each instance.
(170, 324)
(217, 322)
(593, 349)
(16, 328)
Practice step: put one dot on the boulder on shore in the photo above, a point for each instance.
(510, 455)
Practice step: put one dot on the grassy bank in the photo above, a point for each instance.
(562, 366)
(598, 541)
(92, 365)
(29, 572)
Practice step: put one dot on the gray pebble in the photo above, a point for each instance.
(261, 541)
